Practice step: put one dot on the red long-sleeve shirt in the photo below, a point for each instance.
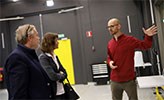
(122, 53)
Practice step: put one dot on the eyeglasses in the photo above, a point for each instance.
(111, 26)
(28, 30)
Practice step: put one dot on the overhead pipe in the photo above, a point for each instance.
(8, 19)
(71, 9)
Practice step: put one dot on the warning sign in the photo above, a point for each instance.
(89, 33)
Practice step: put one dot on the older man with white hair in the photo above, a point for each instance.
(24, 76)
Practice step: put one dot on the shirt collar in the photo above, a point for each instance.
(49, 55)
(121, 36)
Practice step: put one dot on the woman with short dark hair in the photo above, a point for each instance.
(52, 65)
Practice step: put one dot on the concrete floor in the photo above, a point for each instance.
(103, 92)
(98, 92)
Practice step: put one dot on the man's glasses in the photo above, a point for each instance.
(28, 30)
(111, 26)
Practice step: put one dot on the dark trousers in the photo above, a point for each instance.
(129, 87)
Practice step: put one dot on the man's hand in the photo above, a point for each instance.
(112, 66)
(150, 31)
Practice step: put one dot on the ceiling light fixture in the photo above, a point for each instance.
(49, 3)
(15, 0)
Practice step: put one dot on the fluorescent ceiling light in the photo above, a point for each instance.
(50, 3)
(15, 0)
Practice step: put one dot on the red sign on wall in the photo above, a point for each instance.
(89, 33)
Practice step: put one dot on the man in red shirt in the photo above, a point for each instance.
(121, 50)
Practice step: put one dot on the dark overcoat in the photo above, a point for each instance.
(24, 76)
